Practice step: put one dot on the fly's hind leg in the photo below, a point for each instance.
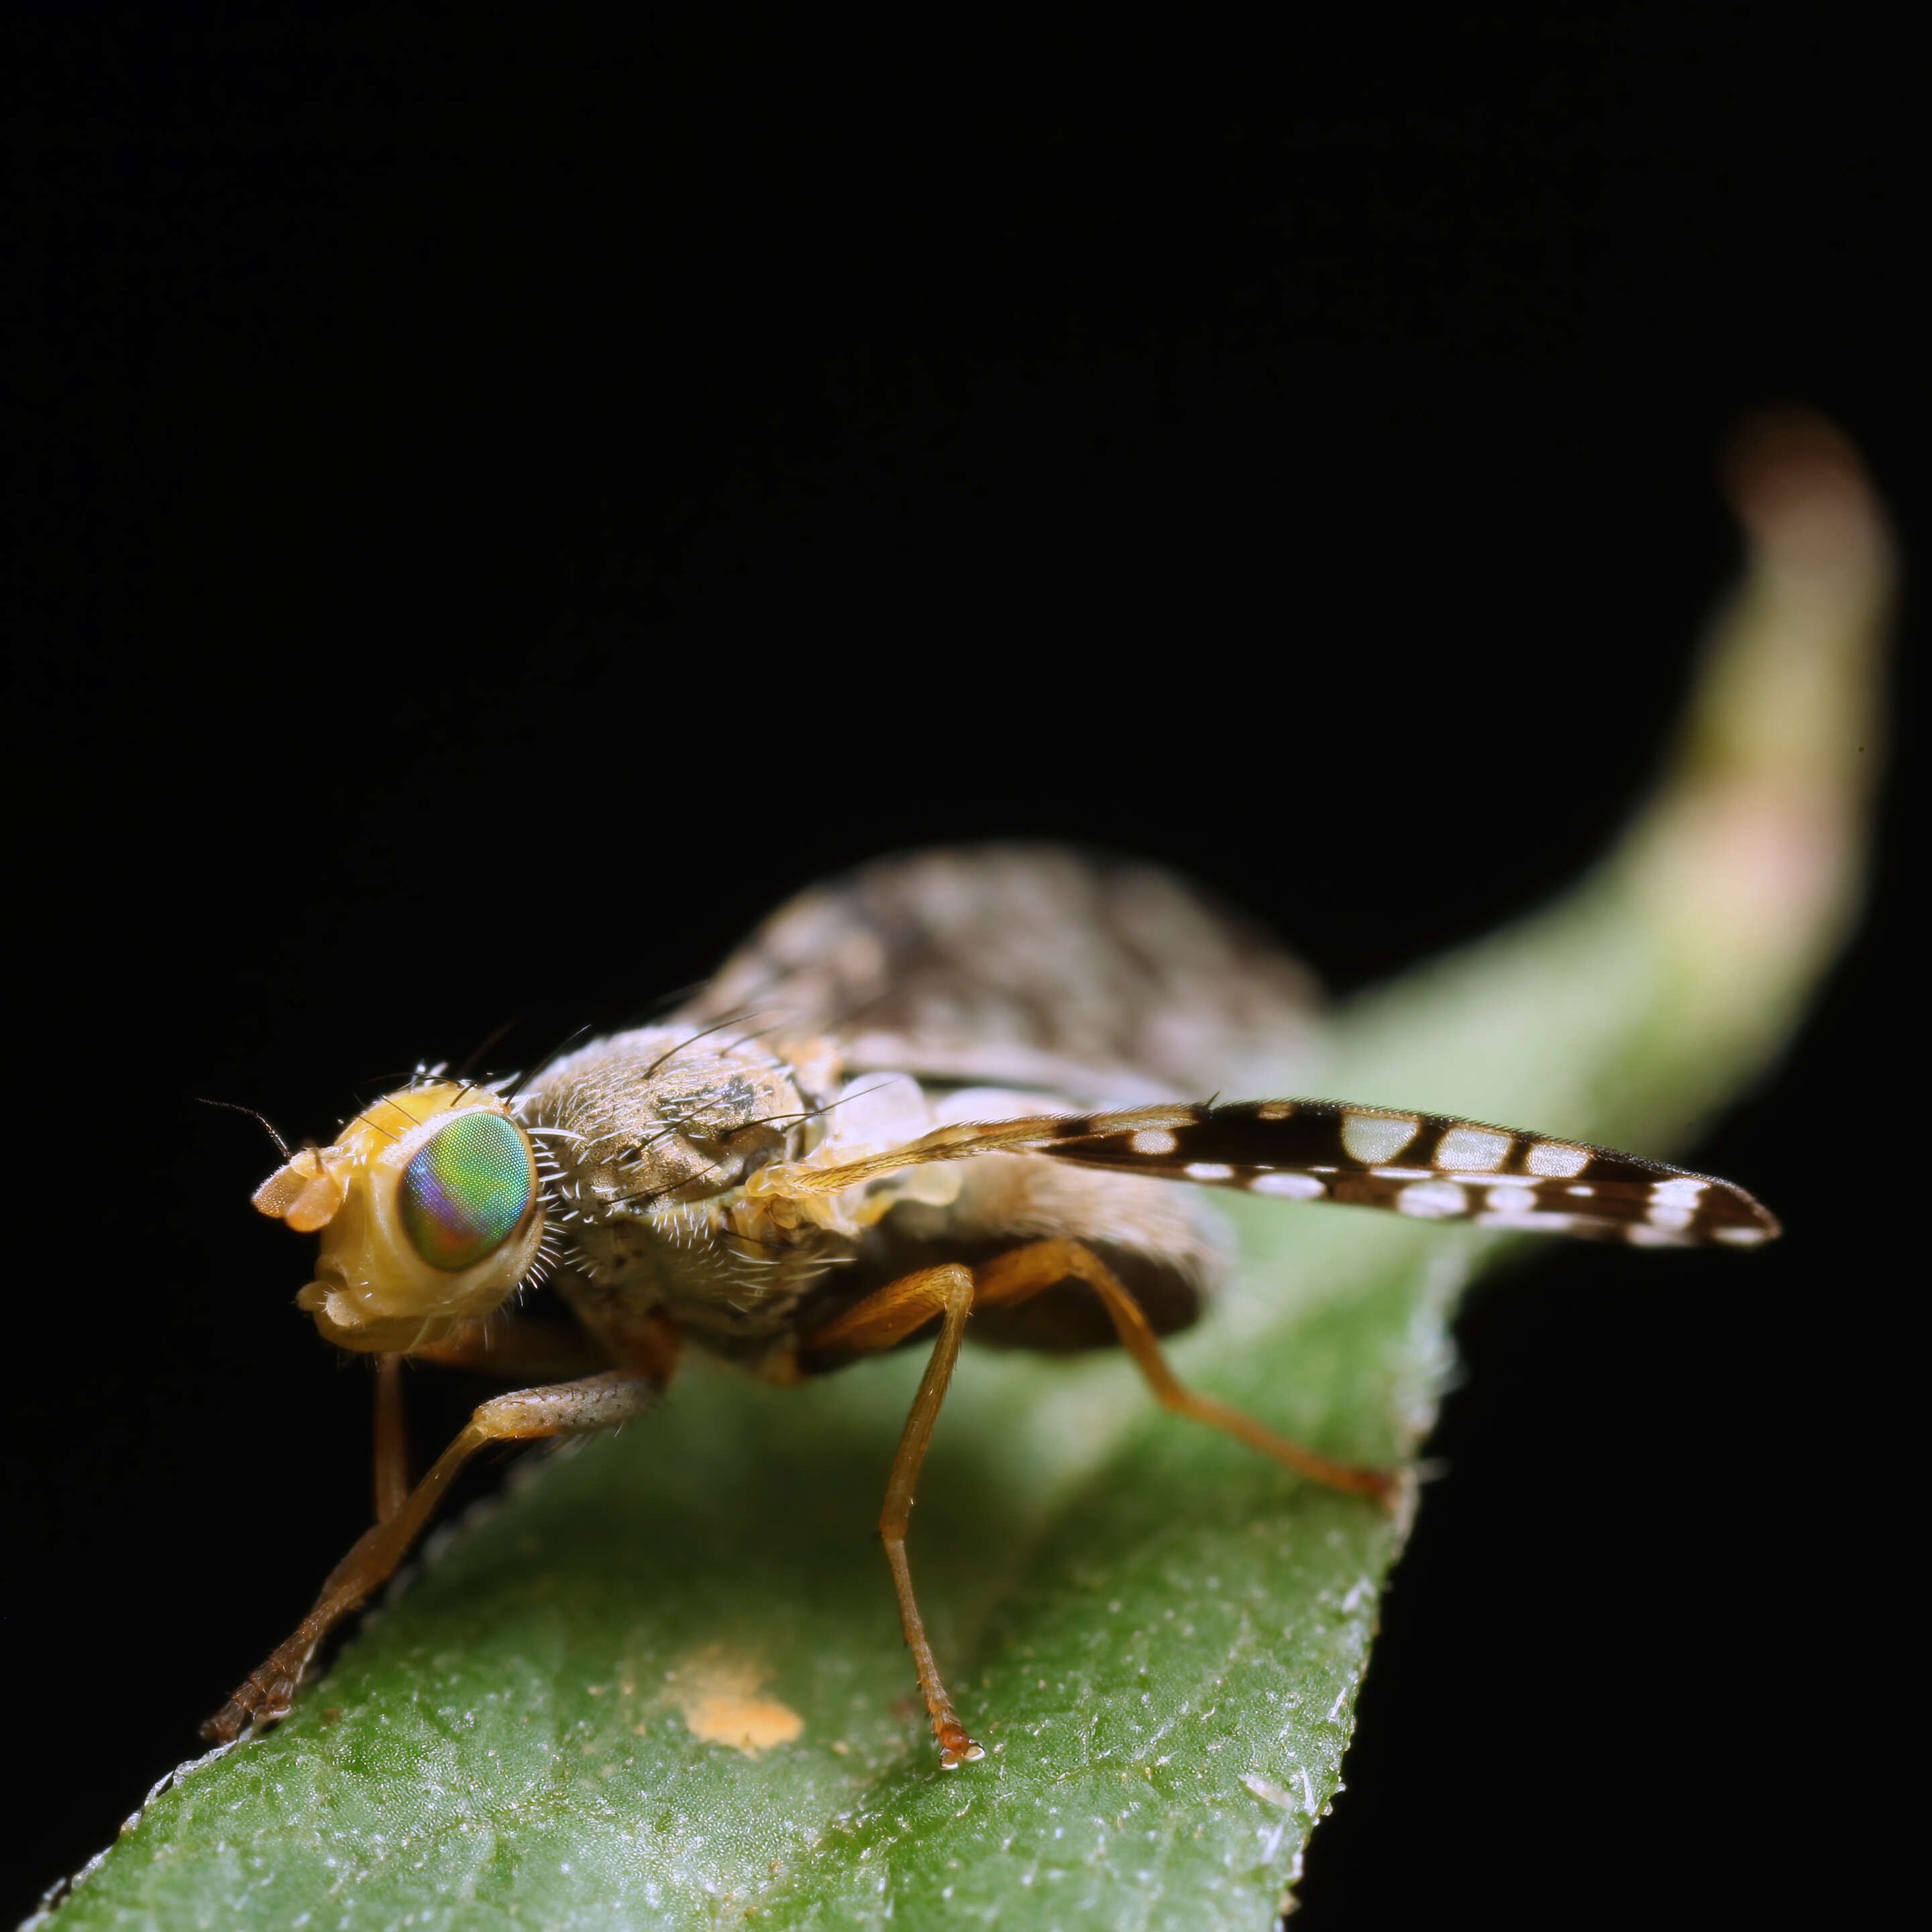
(881, 1321)
(568, 1408)
(1025, 1271)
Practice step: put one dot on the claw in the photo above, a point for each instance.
(258, 1701)
(956, 1748)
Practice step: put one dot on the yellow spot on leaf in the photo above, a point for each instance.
(721, 1698)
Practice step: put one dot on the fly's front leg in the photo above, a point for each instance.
(882, 1320)
(570, 1408)
(524, 1351)
(392, 1439)
(1027, 1271)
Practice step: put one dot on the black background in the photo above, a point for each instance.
(489, 520)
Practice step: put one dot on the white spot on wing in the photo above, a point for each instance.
(1375, 1139)
(1289, 1187)
(1476, 1148)
(1531, 1224)
(1274, 1110)
(1669, 1217)
(1510, 1200)
(1209, 1170)
(1142, 1117)
(1642, 1234)
(1740, 1237)
(1152, 1140)
(1679, 1191)
(1431, 1200)
(1554, 1161)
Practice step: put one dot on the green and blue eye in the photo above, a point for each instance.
(465, 1193)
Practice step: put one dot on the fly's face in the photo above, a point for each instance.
(430, 1212)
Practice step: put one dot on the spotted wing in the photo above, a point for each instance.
(1431, 1166)
(1101, 980)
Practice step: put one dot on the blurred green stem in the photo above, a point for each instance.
(1686, 957)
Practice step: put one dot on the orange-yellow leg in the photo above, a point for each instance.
(520, 1351)
(392, 1439)
(568, 1408)
(888, 1315)
(1022, 1272)
(884, 1318)
(525, 1351)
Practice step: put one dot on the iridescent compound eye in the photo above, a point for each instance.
(463, 1195)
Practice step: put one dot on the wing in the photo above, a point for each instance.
(1428, 1166)
(1103, 980)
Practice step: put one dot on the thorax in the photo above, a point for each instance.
(647, 1139)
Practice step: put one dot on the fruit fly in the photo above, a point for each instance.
(946, 1095)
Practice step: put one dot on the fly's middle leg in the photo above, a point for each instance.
(884, 1318)
(889, 1314)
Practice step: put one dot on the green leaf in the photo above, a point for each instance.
(1158, 1635)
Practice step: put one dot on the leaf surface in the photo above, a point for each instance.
(662, 1681)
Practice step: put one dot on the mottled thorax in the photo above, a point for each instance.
(654, 1133)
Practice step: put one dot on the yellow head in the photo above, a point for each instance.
(430, 1214)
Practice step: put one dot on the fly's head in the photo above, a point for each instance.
(430, 1213)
